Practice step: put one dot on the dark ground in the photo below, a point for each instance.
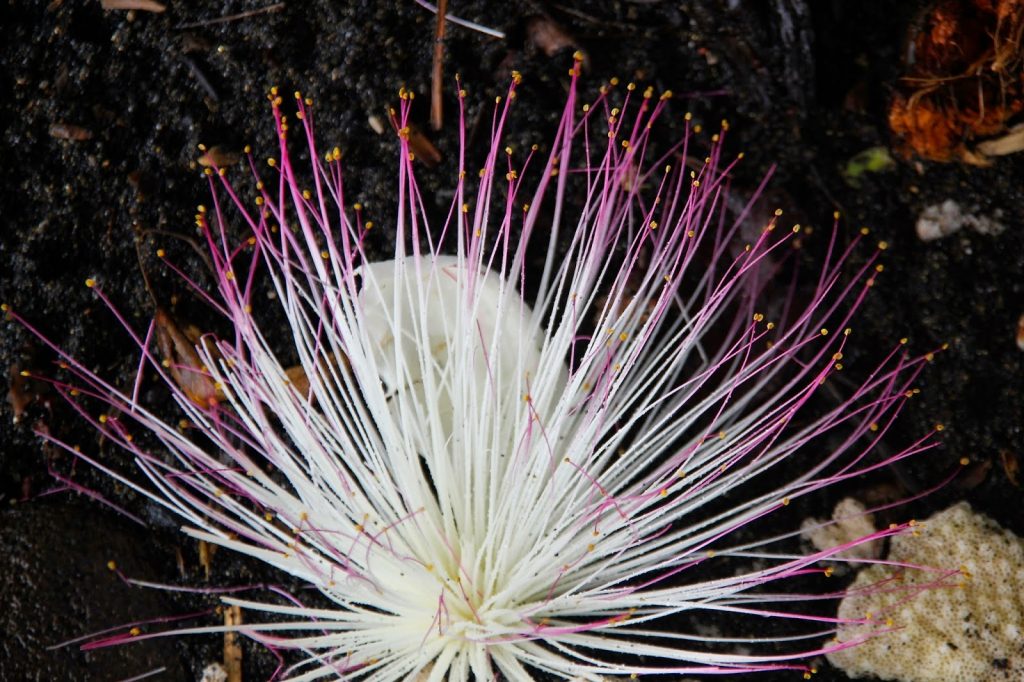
(145, 92)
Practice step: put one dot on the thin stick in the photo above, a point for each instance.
(277, 6)
(436, 89)
(486, 30)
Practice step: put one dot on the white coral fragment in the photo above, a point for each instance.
(970, 632)
(850, 523)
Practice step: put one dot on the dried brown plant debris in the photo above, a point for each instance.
(963, 82)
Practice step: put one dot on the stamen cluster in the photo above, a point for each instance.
(486, 482)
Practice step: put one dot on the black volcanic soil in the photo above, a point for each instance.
(102, 113)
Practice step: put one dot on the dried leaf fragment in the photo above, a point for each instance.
(1011, 466)
(70, 131)
(422, 148)
(24, 391)
(300, 381)
(218, 156)
(545, 33)
(183, 363)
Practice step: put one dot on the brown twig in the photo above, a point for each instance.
(232, 649)
(276, 7)
(436, 86)
(196, 246)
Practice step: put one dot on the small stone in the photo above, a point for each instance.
(941, 220)
(214, 672)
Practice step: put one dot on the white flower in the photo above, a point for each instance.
(513, 458)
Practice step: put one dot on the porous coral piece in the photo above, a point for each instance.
(972, 631)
